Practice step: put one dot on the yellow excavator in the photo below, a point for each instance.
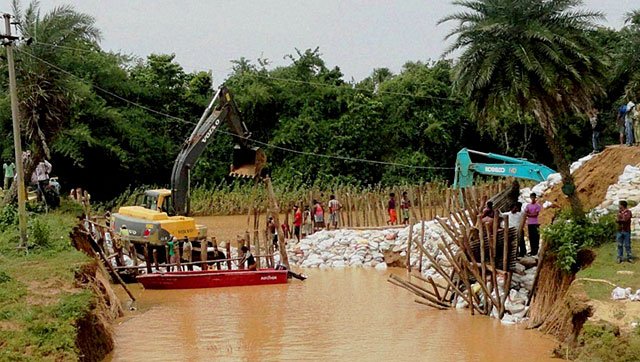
(162, 213)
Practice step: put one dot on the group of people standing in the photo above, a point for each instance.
(405, 206)
(628, 124)
(517, 216)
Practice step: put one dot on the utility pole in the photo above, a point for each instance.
(22, 211)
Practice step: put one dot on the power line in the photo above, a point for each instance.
(102, 89)
(66, 47)
(344, 158)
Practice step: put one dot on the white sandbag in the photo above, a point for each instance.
(381, 266)
(620, 293)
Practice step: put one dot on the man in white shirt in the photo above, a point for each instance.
(515, 219)
(41, 176)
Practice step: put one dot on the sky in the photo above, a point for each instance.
(356, 35)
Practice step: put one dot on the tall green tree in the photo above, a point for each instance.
(532, 55)
(44, 92)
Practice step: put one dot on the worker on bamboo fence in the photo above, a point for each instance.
(247, 257)
(334, 208)
(273, 232)
(488, 214)
(124, 237)
(173, 258)
(318, 215)
(307, 225)
(297, 221)
(187, 252)
(217, 255)
(515, 219)
(405, 205)
(391, 209)
(531, 212)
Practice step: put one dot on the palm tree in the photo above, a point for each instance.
(45, 93)
(532, 55)
(628, 62)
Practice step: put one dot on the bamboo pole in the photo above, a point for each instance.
(505, 244)
(482, 256)
(493, 254)
(204, 253)
(147, 258)
(409, 246)
(444, 275)
(421, 230)
(284, 259)
(228, 247)
(155, 259)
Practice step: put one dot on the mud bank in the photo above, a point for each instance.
(94, 338)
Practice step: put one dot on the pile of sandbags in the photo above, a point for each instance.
(366, 248)
(515, 304)
(625, 189)
(552, 180)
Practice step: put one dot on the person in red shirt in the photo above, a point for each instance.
(297, 221)
(623, 237)
(391, 209)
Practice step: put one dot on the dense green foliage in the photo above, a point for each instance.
(532, 56)
(104, 144)
(567, 236)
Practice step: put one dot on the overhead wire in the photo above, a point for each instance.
(286, 149)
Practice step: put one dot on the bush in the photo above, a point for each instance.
(567, 236)
(39, 233)
(604, 342)
(8, 217)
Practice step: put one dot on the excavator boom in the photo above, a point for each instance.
(513, 167)
(248, 161)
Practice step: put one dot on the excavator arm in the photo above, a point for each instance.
(248, 161)
(512, 167)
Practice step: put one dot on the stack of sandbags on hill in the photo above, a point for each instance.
(625, 189)
(552, 180)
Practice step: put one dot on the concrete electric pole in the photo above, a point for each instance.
(22, 211)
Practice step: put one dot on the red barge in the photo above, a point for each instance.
(212, 279)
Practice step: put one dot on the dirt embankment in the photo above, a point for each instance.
(593, 179)
(94, 330)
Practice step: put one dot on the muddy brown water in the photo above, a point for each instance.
(229, 227)
(335, 315)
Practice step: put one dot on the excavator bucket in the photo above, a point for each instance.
(247, 162)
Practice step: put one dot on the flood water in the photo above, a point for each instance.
(335, 315)
(229, 227)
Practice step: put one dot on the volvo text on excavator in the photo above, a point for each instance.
(162, 212)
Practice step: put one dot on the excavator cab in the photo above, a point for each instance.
(248, 162)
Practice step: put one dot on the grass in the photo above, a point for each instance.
(39, 302)
(605, 342)
(606, 267)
